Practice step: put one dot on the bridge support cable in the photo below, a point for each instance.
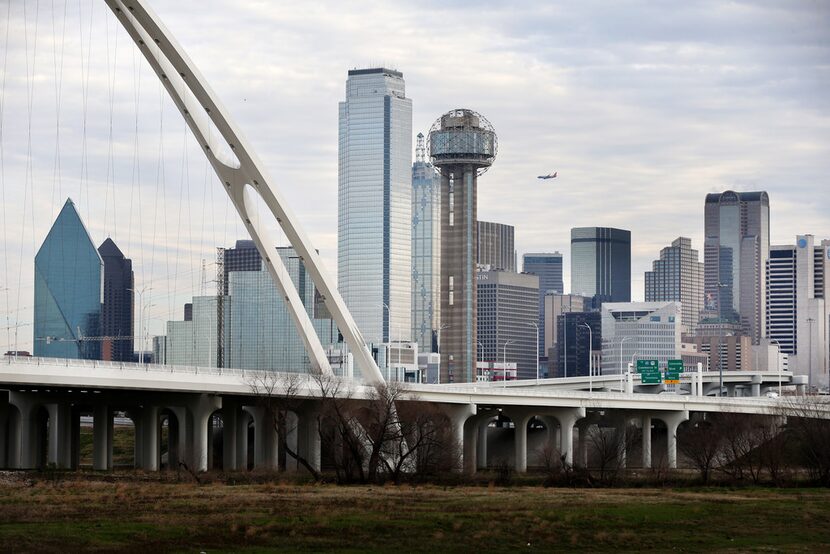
(243, 176)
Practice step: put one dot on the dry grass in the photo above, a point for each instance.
(95, 515)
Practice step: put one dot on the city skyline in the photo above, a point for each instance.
(704, 129)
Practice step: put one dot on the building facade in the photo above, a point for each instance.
(507, 310)
(495, 246)
(601, 264)
(634, 331)
(797, 311)
(678, 276)
(735, 253)
(462, 145)
(426, 250)
(548, 267)
(554, 306)
(374, 233)
(69, 287)
(117, 310)
(577, 349)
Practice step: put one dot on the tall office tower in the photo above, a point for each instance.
(506, 305)
(639, 330)
(117, 311)
(259, 330)
(735, 255)
(678, 275)
(495, 247)
(601, 264)
(251, 321)
(462, 145)
(426, 249)
(69, 283)
(374, 233)
(798, 311)
(548, 267)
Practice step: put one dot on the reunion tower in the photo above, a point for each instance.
(462, 145)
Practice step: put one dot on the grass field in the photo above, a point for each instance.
(97, 515)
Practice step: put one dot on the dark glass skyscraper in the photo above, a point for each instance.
(601, 264)
(735, 254)
(68, 291)
(117, 312)
(572, 344)
(548, 267)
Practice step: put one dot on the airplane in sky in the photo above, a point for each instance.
(548, 176)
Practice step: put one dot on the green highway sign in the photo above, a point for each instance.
(646, 365)
(651, 377)
(673, 371)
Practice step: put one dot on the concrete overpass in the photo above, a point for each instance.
(40, 415)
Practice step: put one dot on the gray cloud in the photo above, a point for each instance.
(643, 108)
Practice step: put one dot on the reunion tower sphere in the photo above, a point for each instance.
(462, 137)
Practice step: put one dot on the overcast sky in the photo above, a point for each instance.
(641, 107)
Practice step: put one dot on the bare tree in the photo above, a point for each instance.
(609, 447)
(278, 394)
(701, 441)
(811, 434)
(340, 431)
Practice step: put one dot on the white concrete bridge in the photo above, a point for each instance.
(40, 415)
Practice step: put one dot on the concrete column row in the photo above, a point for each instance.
(471, 428)
(24, 433)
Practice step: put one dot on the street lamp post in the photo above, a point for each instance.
(504, 362)
(778, 363)
(810, 321)
(590, 357)
(536, 325)
(139, 335)
(621, 350)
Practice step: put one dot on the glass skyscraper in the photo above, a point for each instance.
(601, 264)
(375, 203)
(735, 254)
(117, 311)
(426, 249)
(69, 287)
(548, 267)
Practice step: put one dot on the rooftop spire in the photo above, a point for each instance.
(420, 149)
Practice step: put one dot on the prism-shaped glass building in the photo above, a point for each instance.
(69, 287)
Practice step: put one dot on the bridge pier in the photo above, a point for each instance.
(102, 437)
(266, 445)
(230, 433)
(673, 421)
(149, 433)
(646, 424)
(308, 438)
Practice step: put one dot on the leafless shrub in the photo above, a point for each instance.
(278, 394)
(701, 441)
(808, 423)
(609, 447)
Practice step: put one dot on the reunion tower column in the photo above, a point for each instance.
(462, 145)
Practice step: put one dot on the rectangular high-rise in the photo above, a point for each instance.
(495, 246)
(601, 264)
(117, 309)
(735, 253)
(639, 330)
(507, 306)
(426, 249)
(374, 233)
(678, 275)
(797, 309)
(548, 267)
